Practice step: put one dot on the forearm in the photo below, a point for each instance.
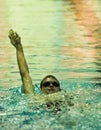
(24, 72)
(22, 64)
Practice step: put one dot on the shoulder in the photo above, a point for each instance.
(36, 87)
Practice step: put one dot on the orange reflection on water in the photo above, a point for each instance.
(3, 21)
(81, 34)
(4, 47)
(87, 17)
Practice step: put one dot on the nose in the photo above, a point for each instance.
(51, 85)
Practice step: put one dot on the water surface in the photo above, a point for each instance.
(59, 37)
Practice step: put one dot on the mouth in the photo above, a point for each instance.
(51, 91)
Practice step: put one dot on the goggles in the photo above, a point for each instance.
(47, 84)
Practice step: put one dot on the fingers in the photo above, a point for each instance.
(14, 38)
(12, 34)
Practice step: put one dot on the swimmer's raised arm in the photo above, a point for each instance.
(23, 67)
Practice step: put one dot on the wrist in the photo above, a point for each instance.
(19, 47)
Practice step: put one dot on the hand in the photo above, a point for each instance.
(14, 38)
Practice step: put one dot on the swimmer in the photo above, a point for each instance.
(48, 85)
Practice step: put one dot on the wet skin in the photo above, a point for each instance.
(50, 85)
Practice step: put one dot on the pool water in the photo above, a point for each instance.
(61, 38)
(23, 112)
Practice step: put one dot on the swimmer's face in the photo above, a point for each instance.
(50, 85)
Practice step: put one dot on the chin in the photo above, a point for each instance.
(52, 91)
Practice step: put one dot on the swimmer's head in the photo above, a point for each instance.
(50, 84)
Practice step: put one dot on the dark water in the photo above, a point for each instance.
(59, 37)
